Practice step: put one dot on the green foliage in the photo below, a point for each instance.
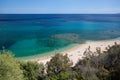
(60, 68)
(78, 75)
(113, 62)
(58, 64)
(32, 70)
(9, 67)
(54, 77)
(101, 65)
(64, 76)
(94, 66)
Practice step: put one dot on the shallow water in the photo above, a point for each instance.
(28, 35)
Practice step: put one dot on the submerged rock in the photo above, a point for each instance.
(72, 37)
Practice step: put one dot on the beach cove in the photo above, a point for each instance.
(31, 36)
(77, 52)
(60, 40)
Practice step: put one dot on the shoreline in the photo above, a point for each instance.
(76, 52)
(50, 53)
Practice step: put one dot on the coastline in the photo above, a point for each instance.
(50, 53)
(76, 52)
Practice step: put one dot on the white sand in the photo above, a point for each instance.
(76, 52)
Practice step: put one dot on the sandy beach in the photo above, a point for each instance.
(76, 52)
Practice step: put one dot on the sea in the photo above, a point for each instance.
(28, 35)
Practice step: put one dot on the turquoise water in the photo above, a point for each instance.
(33, 35)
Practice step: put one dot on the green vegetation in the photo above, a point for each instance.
(59, 68)
(100, 65)
(94, 66)
(32, 70)
(9, 67)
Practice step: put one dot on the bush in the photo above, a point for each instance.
(32, 70)
(9, 67)
(101, 65)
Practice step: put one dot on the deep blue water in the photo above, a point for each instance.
(31, 34)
